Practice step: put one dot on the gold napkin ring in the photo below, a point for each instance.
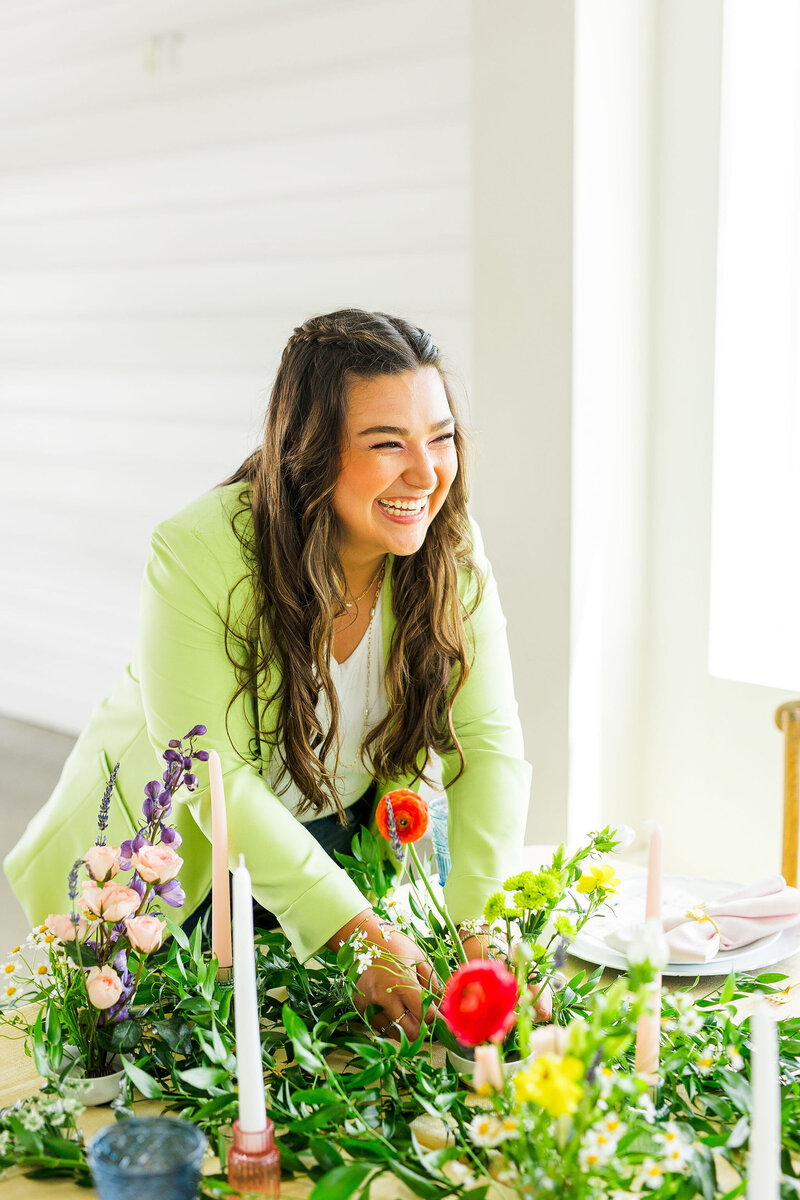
(698, 913)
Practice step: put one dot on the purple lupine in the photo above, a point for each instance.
(170, 837)
(172, 892)
(137, 884)
(130, 847)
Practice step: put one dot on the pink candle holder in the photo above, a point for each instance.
(254, 1164)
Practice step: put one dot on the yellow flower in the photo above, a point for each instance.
(598, 878)
(550, 1082)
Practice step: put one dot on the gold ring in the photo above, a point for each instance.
(698, 913)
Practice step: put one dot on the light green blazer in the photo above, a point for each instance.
(181, 676)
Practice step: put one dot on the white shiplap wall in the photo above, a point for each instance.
(180, 184)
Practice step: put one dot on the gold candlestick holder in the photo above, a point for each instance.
(787, 718)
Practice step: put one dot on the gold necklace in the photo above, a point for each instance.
(380, 570)
(348, 765)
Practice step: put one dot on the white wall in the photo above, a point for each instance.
(522, 132)
(613, 280)
(182, 184)
(713, 754)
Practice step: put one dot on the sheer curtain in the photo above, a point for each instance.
(755, 569)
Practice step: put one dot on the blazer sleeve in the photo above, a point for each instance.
(187, 679)
(488, 804)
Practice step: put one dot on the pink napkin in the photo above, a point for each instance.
(743, 916)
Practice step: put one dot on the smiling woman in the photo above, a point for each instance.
(328, 613)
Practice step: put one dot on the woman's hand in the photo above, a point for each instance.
(479, 945)
(395, 979)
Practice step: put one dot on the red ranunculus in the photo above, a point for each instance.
(479, 1001)
(410, 815)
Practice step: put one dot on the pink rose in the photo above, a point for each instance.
(103, 987)
(60, 925)
(146, 933)
(102, 862)
(157, 864)
(112, 901)
(119, 902)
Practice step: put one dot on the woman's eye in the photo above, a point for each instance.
(384, 445)
(446, 437)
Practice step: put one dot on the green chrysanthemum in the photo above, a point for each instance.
(495, 907)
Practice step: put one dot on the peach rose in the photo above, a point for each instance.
(112, 901)
(146, 933)
(157, 864)
(60, 925)
(103, 987)
(102, 862)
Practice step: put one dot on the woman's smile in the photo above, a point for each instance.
(397, 466)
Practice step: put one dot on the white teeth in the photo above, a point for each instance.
(403, 505)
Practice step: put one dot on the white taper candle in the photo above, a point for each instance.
(764, 1159)
(249, 1070)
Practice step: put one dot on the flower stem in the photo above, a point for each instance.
(440, 908)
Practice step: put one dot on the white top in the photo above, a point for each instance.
(350, 680)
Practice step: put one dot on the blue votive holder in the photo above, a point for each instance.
(147, 1156)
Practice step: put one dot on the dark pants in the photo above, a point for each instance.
(330, 834)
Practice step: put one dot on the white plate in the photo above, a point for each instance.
(628, 905)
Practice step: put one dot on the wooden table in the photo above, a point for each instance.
(18, 1079)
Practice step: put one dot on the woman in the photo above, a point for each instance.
(329, 615)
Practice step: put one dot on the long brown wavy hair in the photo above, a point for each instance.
(290, 536)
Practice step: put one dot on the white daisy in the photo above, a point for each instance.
(487, 1129)
(677, 1156)
(735, 1060)
(690, 1022)
(8, 970)
(5, 1142)
(706, 1060)
(611, 1126)
(668, 1135)
(606, 1078)
(651, 1174)
(9, 991)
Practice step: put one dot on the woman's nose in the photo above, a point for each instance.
(420, 473)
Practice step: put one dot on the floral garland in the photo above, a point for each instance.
(349, 1104)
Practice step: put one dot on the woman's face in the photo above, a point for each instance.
(398, 464)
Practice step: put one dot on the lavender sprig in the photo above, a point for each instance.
(397, 845)
(105, 805)
(72, 889)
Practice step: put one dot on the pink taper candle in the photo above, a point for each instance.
(648, 1030)
(220, 886)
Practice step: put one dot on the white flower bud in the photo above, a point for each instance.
(649, 945)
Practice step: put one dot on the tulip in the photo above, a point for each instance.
(157, 864)
(103, 987)
(549, 1039)
(102, 862)
(488, 1071)
(145, 933)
